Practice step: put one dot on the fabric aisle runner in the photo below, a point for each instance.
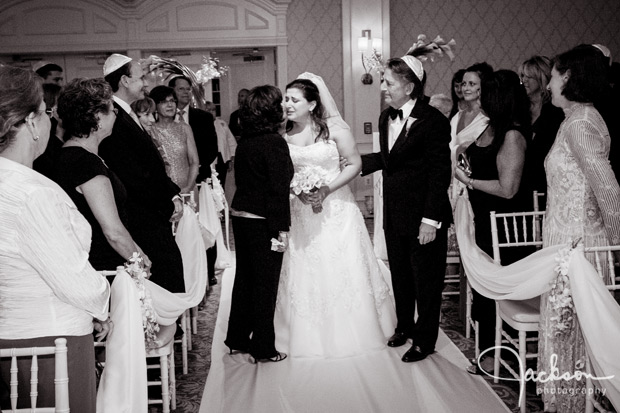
(375, 382)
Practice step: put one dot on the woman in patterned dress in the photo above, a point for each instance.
(583, 203)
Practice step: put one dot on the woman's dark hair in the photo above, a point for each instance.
(457, 78)
(588, 79)
(145, 105)
(114, 78)
(262, 111)
(504, 100)
(400, 68)
(311, 94)
(160, 93)
(20, 95)
(482, 69)
(79, 104)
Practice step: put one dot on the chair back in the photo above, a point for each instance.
(538, 221)
(520, 230)
(188, 199)
(604, 263)
(61, 377)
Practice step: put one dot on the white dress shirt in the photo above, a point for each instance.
(47, 285)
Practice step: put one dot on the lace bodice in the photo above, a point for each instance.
(323, 154)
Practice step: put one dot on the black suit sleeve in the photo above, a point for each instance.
(279, 174)
(439, 166)
(205, 136)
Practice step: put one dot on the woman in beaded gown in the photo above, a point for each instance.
(583, 203)
(333, 299)
(175, 140)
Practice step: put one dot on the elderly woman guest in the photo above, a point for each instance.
(175, 140)
(584, 206)
(261, 212)
(497, 158)
(48, 287)
(546, 118)
(87, 113)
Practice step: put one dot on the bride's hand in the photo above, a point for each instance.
(303, 197)
(317, 197)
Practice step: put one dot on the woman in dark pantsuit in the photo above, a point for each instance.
(261, 212)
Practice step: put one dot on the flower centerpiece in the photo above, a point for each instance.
(309, 179)
(135, 268)
(210, 69)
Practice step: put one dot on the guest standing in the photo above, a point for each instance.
(583, 202)
(457, 92)
(174, 140)
(152, 198)
(546, 118)
(88, 115)
(48, 289)
(235, 124)
(261, 212)
(497, 158)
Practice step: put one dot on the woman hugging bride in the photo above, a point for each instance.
(333, 299)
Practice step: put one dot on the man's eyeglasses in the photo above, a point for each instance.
(49, 112)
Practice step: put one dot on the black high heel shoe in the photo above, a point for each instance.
(278, 357)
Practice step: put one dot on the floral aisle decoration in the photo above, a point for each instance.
(560, 296)
(309, 179)
(135, 268)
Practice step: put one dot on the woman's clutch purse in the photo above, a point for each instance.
(463, 163)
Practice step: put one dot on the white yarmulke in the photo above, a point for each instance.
(605, 51)
(114, 62)
(415, 65)
(40, 64)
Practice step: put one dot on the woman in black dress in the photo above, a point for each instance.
(497, 159)
(261, 212)
(87, 113)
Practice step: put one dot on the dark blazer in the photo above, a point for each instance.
(416, 172)
(131, 154)
(263, 173)
(205, 136)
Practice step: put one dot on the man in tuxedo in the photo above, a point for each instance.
(152, 198)
(234, 124)
(203, 128)
(415, 160)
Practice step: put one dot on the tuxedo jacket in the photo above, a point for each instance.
(416, 172)
(131, 154)
(205, 136)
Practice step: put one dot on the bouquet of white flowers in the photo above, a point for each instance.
(309, 179)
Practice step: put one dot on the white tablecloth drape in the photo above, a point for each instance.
(597, 310)
(123, 382)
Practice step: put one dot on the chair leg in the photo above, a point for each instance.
(522, 352)
(468, 312)
(194, 313)
(173, 380)
(498, 343)
(188, 329)
(165, 389)
(477, 338)
(184, 352)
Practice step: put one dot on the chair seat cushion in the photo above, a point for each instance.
(526, 311)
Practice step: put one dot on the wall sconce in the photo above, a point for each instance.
(370, 50)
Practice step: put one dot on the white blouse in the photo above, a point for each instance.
(47, 285)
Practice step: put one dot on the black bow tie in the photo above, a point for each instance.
(396, 113)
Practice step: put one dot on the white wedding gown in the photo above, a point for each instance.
(333, 298)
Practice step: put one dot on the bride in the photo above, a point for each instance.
(333, 300)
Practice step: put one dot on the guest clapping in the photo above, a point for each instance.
(48, 289)
(88, 115)
(261, 212)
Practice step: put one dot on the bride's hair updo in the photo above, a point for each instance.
(311, 94)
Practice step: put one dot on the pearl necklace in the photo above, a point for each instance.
(86, 148)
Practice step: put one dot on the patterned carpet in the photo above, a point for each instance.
(190, 386)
